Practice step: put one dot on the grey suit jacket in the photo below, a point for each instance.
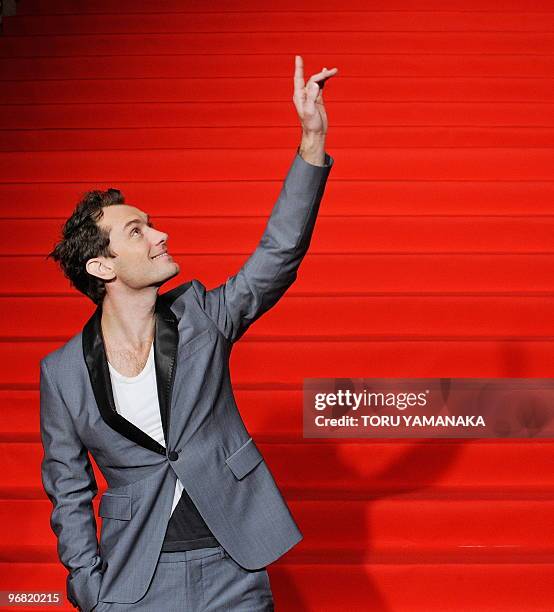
(208, 446)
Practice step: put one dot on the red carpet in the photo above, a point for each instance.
(433, 256)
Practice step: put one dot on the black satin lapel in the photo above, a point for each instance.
(166, 341)
(99, 373)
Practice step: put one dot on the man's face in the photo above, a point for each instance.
(138, 246)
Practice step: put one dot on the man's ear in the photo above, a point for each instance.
(99, 266)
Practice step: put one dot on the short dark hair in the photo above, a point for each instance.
(82, 239)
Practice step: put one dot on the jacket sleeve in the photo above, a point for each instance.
(69, 482)
(272, 267)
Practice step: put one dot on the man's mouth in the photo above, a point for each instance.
(160, 255)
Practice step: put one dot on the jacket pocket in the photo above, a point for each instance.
(244, 459)
(115, 506)
(196, 343)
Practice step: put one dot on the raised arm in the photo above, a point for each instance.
(69, 482)
(273, 266)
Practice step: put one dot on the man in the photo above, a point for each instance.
(192, 515)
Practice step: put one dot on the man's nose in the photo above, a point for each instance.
(162, 236)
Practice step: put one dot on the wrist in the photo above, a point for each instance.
(312, 148)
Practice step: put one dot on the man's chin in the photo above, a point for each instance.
(169, 274)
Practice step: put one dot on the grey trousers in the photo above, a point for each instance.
(201, 580)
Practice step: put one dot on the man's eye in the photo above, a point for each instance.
(135, 229)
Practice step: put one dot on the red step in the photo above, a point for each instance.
(202, 89)
(298, 318)
(357, 65)
(398, 530)
(314, 587)
(315, 469)
(410, 234)
(245, 6)
(393, 274)
(284, 44)
(184, 20)
(210, 115)
(492, 164)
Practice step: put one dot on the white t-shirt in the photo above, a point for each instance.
(136, 399)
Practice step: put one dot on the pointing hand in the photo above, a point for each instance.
(308, 98)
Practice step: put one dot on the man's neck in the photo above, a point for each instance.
(129, 323)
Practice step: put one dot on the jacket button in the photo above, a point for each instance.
(173, 456)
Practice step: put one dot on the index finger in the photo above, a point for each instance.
(298, 73)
